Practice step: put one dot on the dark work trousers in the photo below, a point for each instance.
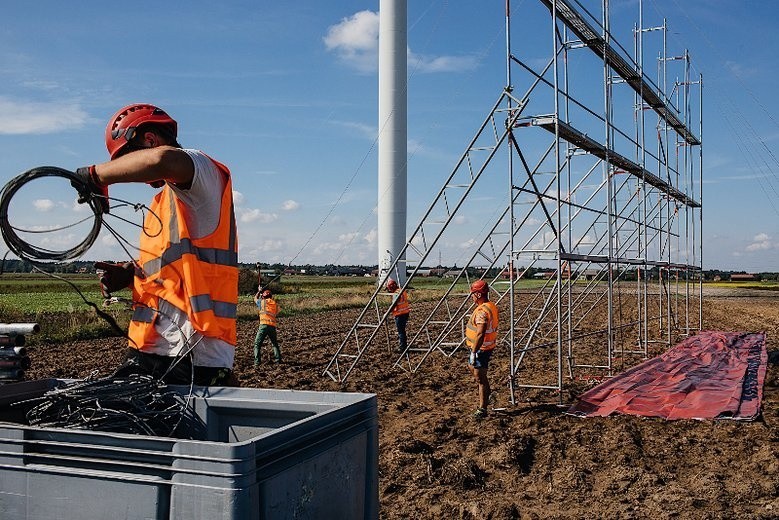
(270, 332)
(181, 374)
(400, 323)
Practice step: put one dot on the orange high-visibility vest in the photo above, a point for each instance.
(402, 306)
(197, 276)
(490, 332)
(269, 309)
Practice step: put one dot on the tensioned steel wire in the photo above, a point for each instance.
(135, 404)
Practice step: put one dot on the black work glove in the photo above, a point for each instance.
(115, 277)
(89, 187)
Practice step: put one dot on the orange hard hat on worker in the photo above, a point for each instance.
(123, 125)
(480, 287)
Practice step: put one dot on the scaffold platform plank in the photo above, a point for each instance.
(580, 139)
(592, 39)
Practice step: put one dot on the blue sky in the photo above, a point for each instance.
(285, 93)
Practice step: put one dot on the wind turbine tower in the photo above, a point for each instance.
(392, 195)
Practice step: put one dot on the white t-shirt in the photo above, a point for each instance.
(175, 330)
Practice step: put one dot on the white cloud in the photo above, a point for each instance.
(347, 237)
(343, 240)
(419, 63)
(532, 221)
(290, 205)
(761, 242)
(43, 204)
(544, 241)
(739, 70)
(356, 40)
(256, 215)
(26, 117)
(467, 245)
(250, 214)
(760, 246)
(460, 219)
(368, 131)
(271, 245)
(371, 236)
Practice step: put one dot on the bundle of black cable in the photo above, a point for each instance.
(137, 404)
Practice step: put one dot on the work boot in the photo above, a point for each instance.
(480, 413)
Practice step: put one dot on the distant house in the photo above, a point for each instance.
(589, 274)
(741, 277)
(506, 274)
(268, 275)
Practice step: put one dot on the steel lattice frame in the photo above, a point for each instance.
(615, 215)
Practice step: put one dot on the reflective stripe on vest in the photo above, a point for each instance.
(177, 250)
(491, 330)
(269, 309)
(401, 306)
(197, 276)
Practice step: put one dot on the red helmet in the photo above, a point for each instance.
(122, 126)
(480, 286)
(392, 285)
(266, 293)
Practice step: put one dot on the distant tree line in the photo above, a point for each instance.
(87, 267)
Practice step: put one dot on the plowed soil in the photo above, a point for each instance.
(528, 460)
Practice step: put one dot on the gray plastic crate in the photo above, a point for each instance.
(266, 454)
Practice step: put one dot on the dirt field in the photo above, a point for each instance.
(531, 460)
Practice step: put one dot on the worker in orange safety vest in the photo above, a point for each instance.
(481, 335)
(185, 282)
(268, 312)
(400, 312)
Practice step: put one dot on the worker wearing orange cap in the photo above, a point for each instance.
(268, 310)
(400, 311)
(481, 336)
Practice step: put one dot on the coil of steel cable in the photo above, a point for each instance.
(32, 253)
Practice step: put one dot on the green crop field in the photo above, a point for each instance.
(768, 285)
(63, 315)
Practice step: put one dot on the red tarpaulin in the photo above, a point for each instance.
(713, 375)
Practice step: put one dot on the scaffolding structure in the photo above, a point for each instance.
(603, 172)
